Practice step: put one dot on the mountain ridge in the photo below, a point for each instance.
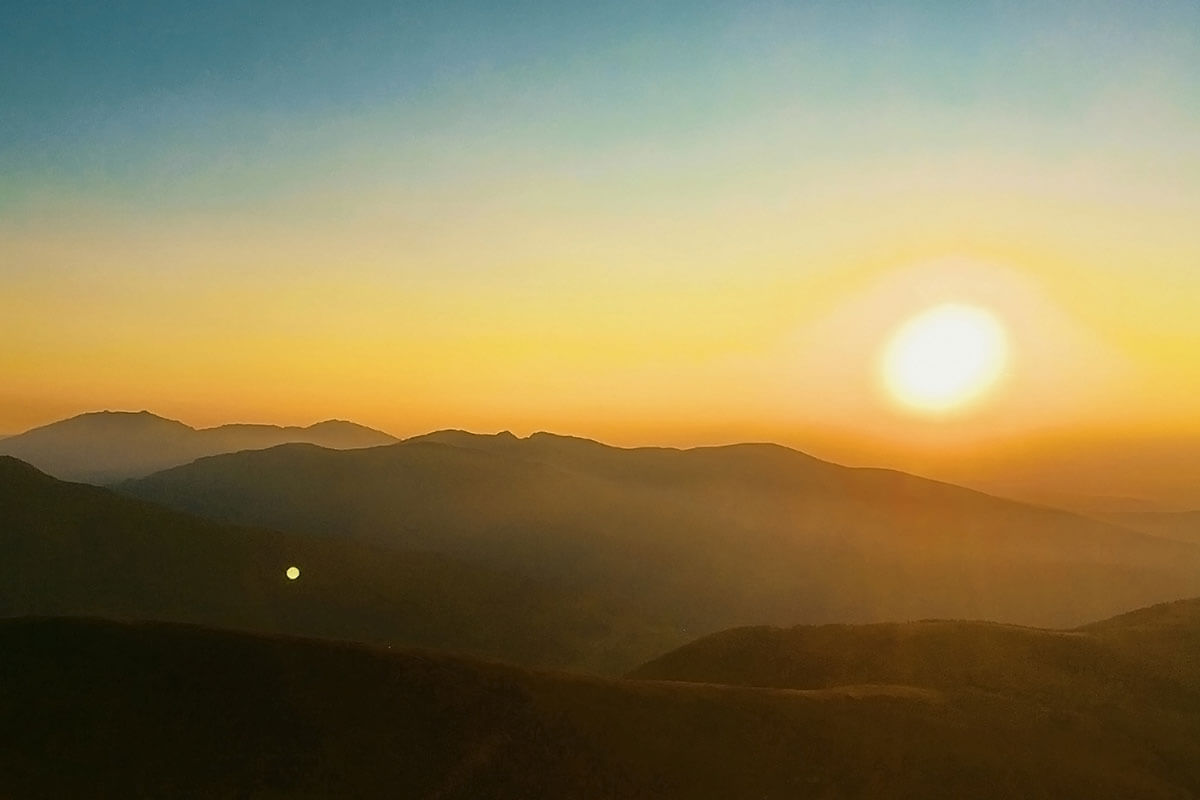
(714, 537)
(102, 447)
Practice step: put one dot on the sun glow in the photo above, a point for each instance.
(945, 358)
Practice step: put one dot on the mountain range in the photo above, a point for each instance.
(706, 538)
(147, 628)
(107, 446)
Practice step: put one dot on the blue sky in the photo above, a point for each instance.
(104, 87)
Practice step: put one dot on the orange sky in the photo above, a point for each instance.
(622, 357)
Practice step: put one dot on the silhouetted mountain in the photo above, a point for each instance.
(109, 446)
(709, 537)
(1183, 526)
(94, 709)
(74, 549)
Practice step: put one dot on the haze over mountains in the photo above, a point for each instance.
(73, 549)
(90, 708)
(107, 446)
(565, 553)
(703, 539)
(1110, 475)
(1182, 525)
(1122, 476)
(706, 538)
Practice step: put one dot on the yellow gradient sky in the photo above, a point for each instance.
(650, 228)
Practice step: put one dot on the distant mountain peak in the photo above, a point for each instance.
(109, 446)
(334, 423)
(118, 417)
(459, 436)
(550, 436)
(108, 412)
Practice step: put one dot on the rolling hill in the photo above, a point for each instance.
(96, 709)
(706, 538)
(108, 446)
(1140, 653)
(74, 549)
(1135, 676)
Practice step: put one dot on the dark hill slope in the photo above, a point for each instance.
(109, 446)
(1138, 675)
(1141, 651)
(709, 537)
(936, 654)
(1166, 635)
(73, 549)
(101, 710)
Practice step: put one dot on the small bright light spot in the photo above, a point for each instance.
(292, 573)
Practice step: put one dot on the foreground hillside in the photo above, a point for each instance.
(1136, 675)
(97, 709)
(708, 538)
(73, 549)
(1129, 651)
(109, 446)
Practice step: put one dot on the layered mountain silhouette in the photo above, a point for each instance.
(1099, 475)
(75, 549)
(108, 446)
(96, 709)
(1181, 525)
(706, 538)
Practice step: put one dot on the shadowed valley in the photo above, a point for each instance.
(74, 549)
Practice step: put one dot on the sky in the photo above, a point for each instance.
(650, 222)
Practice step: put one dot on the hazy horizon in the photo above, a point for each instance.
(1082, 473)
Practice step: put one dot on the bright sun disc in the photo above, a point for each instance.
(945, 358)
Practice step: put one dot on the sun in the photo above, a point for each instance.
(945, 358)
